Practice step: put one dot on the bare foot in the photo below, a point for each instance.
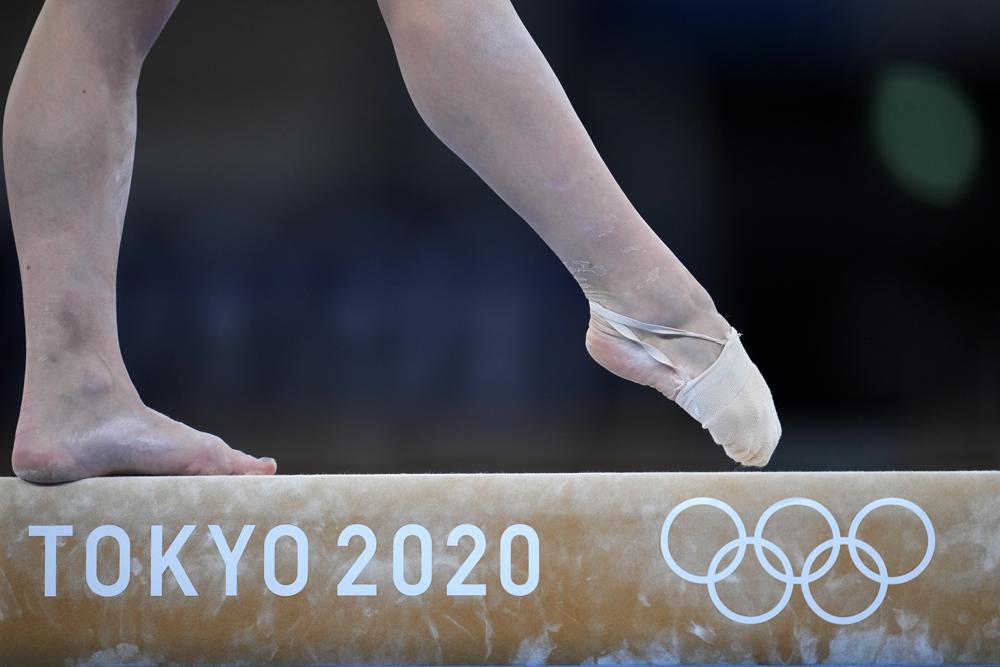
(91, 426)
(628, 360)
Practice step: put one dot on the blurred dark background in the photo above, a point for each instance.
(309, 273)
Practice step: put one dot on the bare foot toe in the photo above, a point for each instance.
(223, 460)
(65, 435)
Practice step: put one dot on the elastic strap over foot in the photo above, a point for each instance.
(729, 398)
(624, 325)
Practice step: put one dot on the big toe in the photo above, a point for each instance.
(221, 459)
(748, 429)
(244, 464)
(750, 449)
(762, 456)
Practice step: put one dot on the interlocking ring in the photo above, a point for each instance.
(788, 577)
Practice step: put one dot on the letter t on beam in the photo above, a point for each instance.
(51, 535)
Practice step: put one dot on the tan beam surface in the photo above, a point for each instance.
(498, 569)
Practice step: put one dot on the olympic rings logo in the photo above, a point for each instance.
(787, 575)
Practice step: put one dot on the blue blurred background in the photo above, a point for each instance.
(307, 272)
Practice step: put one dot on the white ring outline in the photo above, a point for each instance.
(883, 583)
(758, 533)
(741, 529)
(852, 535)
(767, 615)
(760, 544)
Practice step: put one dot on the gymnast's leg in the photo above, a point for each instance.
(68, 140)
(481, 84)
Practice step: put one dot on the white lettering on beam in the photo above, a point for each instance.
(231, 557)
(161, 560)
(124, 560)
(51, 535)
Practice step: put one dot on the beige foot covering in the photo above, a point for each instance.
(730, 398)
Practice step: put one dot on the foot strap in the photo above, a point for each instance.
(626, 325)
(707, 395)
(729, 398)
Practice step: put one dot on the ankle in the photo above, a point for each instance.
(92, 375)
(685, 306)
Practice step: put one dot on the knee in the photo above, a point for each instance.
(425, 40)
(414, 25)
(112, 35)
(444, 24)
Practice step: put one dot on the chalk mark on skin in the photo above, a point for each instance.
(580, 269)
(583, 266)
(652, 276)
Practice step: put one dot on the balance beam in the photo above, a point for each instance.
(497, 569)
